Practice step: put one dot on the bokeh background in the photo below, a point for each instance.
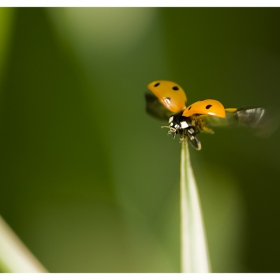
(89, 182)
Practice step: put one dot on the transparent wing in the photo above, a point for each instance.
(155, 108)
(248, 116)
(264, 122)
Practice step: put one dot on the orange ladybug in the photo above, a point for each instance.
(168, 102)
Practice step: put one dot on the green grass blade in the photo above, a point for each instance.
(194, 253)
(14, 256)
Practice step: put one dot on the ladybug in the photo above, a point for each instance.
(168, 102)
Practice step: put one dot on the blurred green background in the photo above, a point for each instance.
(89, 182)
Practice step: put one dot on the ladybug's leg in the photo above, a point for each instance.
(195, 143)
(172, 131)
(183, 134)
(207, 129)
(200, 123)
(182, 137)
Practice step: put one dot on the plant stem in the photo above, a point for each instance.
(194, 253)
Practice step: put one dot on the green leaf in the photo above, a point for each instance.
(194, 252)
(14, 256)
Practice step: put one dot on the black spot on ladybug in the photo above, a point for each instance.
(208, 106)
(175, 88)
(190, 107)
(168, 98)
(156, 85)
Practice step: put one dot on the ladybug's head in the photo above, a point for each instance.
(177, 123)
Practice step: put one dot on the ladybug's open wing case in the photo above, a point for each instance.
(155, 108)
(250, 117)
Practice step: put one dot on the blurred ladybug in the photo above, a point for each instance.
(168, 102)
